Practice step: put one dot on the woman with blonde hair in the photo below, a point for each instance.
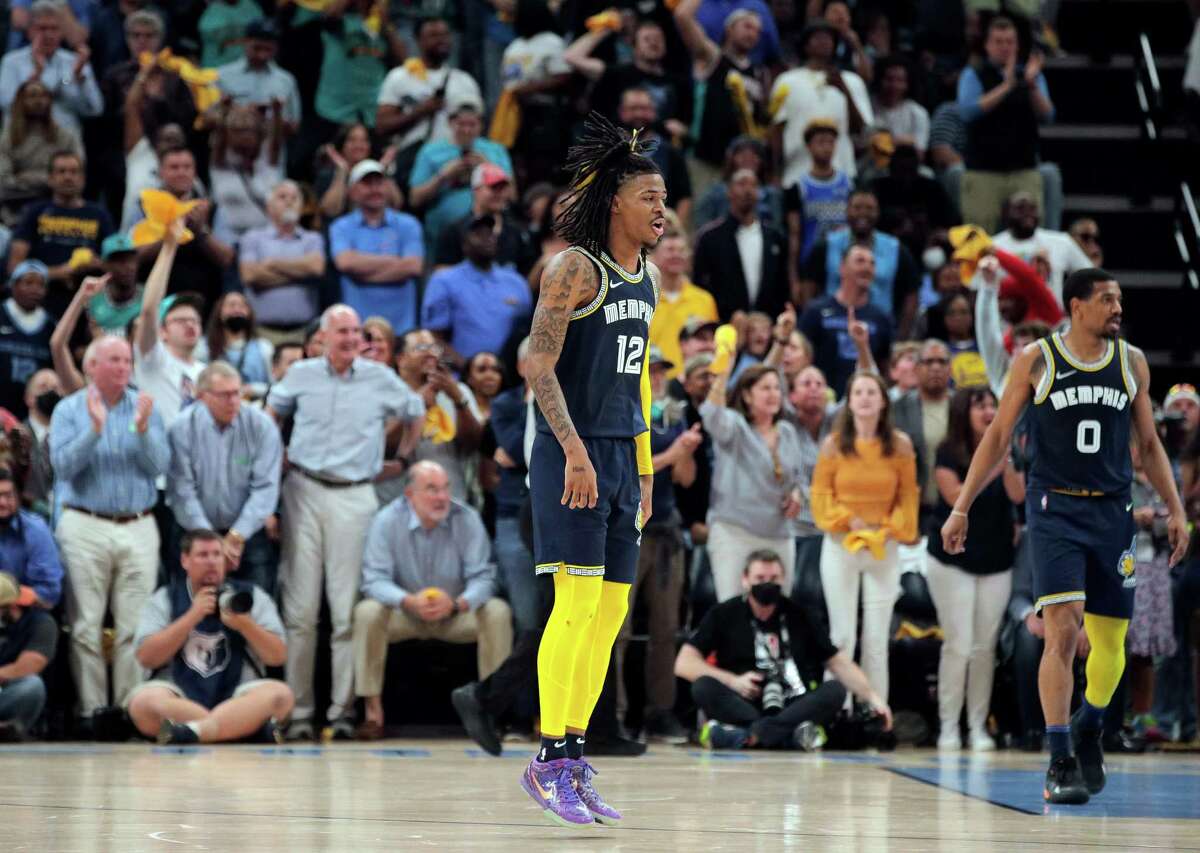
(865, 499)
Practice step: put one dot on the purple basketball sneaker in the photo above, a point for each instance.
(581, 777)
(551, 785)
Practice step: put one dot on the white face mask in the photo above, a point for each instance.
(933, 258)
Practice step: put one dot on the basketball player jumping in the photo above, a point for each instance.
(590, 471)
(1087, 386)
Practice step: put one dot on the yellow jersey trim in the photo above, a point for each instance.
(1080, 365)
(1047, 381)
(1059, 598)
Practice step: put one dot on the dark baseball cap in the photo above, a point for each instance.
(695, 326)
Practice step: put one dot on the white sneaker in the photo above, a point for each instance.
(982, 742)
(949, 741)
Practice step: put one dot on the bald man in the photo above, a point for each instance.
(341, 407)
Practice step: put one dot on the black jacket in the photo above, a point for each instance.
(718, 269)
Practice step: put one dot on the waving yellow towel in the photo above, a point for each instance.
(506, 120)
(161, 209)
(969, 243)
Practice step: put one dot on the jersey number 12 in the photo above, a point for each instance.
(629, 354)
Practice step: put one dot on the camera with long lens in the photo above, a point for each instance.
(232, 599)
(773, 691)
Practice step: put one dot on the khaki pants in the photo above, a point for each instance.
(376, 625)
(660, 579)
(324, 531)
(106, 561)
(984, 194)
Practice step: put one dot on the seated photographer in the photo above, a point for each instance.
(765, 687)
(427, 574)
(28, 637)
(207, 642)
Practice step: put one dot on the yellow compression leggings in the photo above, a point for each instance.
(1107, 659)
(575, 649)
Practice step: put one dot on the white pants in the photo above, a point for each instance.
(106, 561)
(970, 609)
(842, 574)
(728, 547)
(324, 532)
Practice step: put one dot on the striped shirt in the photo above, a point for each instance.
(111, 472)
(224, 478)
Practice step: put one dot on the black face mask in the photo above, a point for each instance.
(766, 593)
(237, 325)
(45, 403)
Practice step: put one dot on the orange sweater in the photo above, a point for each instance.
(881, 490)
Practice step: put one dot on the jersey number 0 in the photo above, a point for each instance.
(1087, 437)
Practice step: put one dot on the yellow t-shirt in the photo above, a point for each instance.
(673, 313)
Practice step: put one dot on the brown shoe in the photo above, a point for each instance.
(369, 730)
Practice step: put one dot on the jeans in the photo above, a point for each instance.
(515, 565)
(22, 700)
(773, 731)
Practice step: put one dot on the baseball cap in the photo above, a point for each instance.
(363, 168)
(1181, 391)
(818, 125)
(702, 359)
(657, 357)
(116, 244)
(456, 107)
(263, 29)
(11, 592)
(28, 267)
(488, 175)
(696, 325)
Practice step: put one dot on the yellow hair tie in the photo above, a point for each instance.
(633, 141)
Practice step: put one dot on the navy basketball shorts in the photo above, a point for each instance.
(603, 540)
(1082, 551)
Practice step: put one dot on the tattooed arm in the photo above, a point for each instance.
(568, 282)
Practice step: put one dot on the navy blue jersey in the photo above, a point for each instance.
(600, 368)
(1080, 422)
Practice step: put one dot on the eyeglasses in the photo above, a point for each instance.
(226, 395)
(942, 361)
(436, 349)
(1088, 236)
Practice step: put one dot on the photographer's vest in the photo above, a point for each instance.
(209, 666)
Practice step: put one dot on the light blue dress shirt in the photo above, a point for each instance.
(478, 307)
(398, 235)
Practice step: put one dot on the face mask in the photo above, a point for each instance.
(45, 403)
(766, 593)
(237, 325)
(933, 258)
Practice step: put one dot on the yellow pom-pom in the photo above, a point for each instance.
(726, 339)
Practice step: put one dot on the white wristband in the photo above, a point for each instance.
(959, 514)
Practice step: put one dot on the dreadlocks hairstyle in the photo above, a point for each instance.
(604, 158)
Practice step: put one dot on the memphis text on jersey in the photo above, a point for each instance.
(1089, 395)
(628, 309)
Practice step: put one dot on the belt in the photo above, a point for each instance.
(331, 483)
(117, 517)
(1080, 493)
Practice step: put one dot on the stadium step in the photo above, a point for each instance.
(1085, 91)
(1110, 26)
(1112, 159)
(1135, 237)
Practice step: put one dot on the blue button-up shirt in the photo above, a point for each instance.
(113, 471)
(402, 557)
(224, 478)
(28, 552)
(340, 419)
(477, 307)
(73, 99)
(398, 235)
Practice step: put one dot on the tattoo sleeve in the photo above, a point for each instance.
(564, 284)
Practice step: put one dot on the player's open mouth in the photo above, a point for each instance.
(659, 227)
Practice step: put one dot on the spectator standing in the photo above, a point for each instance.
(816, 204)
(756, 487)
(744, 152)
(818, 90)
(713, 16)
(441, 176)
(426, 575)
(378, 251)
(844, 328)
(894, 109)
(679, 300)
(491, 190)
(222, 27)
(812, 414)
(971, 590)
(636, 112)
(1026, 239)
(247, 163)
(281, 265)
(864, 497)
(120, 301)
(256, 80)
(350, 147)
(65, 73)
(913, 208)
(28, 639)
(42, 395)
(226, 460)
(897, 278)
(1002, 104)
(355, 57)
(208, 662)
(739, 260)
(107, 447)
(30, 138)
(475, 305)
(328, 501)
(25, 329)
(75, 18)
(763, 643)
(924, 416)
(232, 337)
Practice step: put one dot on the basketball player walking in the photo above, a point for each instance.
(590, 471)
(1087, 387)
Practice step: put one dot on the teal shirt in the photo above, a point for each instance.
(221, 28)
(451, 205)
(352, 71)
(114, 319)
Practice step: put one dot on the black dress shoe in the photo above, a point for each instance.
(1064, 782)
(615, 746)
(479, 724)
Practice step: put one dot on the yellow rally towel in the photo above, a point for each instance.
(726, 341)
(438, 426)
(82, 257)
(609, 19)
(741, 103)
(969, 243)
(161, 209)
(777, 98)
(874, 541)
(506, 120)
(416, 68)
(201, 82)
